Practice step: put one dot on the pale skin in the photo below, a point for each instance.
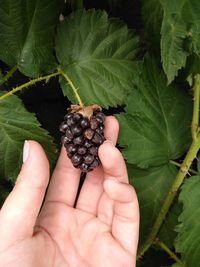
(101, 231)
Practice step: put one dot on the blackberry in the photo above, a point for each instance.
(82, 130)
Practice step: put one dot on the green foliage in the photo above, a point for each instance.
(188, 240)
(148, 133)
(101, 60)
(167, 232)
(16, 126)
(180, 34)
(152, 14)
(151, 186)
(98, 54)
(27, 34)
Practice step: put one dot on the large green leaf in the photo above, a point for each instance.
(97, 53)
(16, 126)
(180, 34)
(27, 34)
(151, 186)
(155, 127)
(188, 241)
(152, 15)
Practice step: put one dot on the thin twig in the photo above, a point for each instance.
(179, 165)
(8, 75)
(169, 252)
(28, 84)
(65, 76)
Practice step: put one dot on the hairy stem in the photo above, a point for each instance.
(75, 91)
(28, 84)
(184, 168)
(8, 75)
(169, 252)
(179, 165)
(195, 118)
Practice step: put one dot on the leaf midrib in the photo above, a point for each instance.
(30, 26)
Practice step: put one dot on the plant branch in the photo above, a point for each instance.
(65, 76)
(184, 168)
(8, 75)
(195, 118)
(28, 84)
(164, 247)
(179, 165)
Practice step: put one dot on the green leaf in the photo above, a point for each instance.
(152, 14)
(180, 34)
(151, 186)
(155, 127)
(97, 53)
(188, 240)
(27, 34)
(167, 232)
(16, 126)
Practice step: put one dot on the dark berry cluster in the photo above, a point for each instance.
(82, 137)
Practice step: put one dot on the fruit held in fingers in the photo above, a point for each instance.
(83, 133)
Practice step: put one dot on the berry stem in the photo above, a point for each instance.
(28, 84)
(65, 76)
(169, 252)
(8, 75)
(183, 171)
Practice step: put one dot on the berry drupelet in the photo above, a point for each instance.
(83, 133)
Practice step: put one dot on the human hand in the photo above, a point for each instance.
(101, 231)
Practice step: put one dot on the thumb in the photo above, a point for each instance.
(21, 208)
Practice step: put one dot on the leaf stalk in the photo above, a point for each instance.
(164, 247)
(179, 165)
(28, 84)
(75, 91)
(8, 75)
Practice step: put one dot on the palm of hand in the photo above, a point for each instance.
(101, 231)
(83, 240)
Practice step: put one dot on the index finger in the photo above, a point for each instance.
(125, 217)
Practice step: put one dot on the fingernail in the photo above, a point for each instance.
(25, 151)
